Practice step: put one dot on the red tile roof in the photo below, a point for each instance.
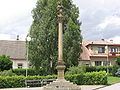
(85, 55)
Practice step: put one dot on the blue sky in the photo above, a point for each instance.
(100, 19)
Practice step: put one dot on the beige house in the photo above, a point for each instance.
(16, 50)
(99, 52)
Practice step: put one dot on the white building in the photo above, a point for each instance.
(16, 50)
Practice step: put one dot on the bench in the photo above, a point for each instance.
(36, 83)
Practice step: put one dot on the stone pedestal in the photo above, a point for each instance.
(61, 85)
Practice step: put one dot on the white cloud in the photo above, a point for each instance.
(12, 8)
(5, 37)
(110, 20)
(15, 17)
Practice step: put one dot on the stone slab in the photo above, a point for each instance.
(61, 85)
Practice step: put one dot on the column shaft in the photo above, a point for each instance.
(60, 42)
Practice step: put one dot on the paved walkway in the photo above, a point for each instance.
(111, 87)
(84, 87)
(90, 87)
(35, 88)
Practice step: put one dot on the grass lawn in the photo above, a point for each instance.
(112, 80)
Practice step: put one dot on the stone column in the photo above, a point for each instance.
(60, 83)
(60, 64)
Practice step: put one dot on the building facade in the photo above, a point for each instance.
(95, 53)
(16, 50)
(99, 53)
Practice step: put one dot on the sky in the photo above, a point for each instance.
(100, 19)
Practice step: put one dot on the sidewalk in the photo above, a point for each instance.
(84, 87)
(34, 88)
(111, 87)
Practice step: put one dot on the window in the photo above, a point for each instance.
(30, 65)
(101, 49)
(105, 63)
(20, 65)
(87, 64)
(98, 63)
(113, 49)
(91, 47)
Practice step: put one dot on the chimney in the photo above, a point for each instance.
(102, 39)
(111, 41)
(17, 37)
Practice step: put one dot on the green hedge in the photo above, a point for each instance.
(30, 71)
(93, 78)
(98, 68)
(41, 72)
(19, 81)
(89, 78)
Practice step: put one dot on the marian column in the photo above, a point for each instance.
(60, 64)
(60, 83)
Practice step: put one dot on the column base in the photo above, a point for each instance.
(61, 85)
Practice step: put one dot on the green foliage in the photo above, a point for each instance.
(5, 63)
(99, 68)
(7, 73)
(118, 60)
(76, 70)
(19, 81)
(114, 69)
(91, 78)
(118, 72)
(30, 71)
(43, 47)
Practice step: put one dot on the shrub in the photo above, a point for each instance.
(98, 68)
(90, 68)
(118, 72)
(30, 71)
(5, 63)
(19, 81)
(89, 78)
(114, 69)
(92, 78)
(118, 60)
(7, 73)
(76, 70)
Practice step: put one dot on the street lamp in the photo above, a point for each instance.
(27, 45)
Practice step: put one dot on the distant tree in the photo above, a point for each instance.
(5, 63)
(43, 47)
